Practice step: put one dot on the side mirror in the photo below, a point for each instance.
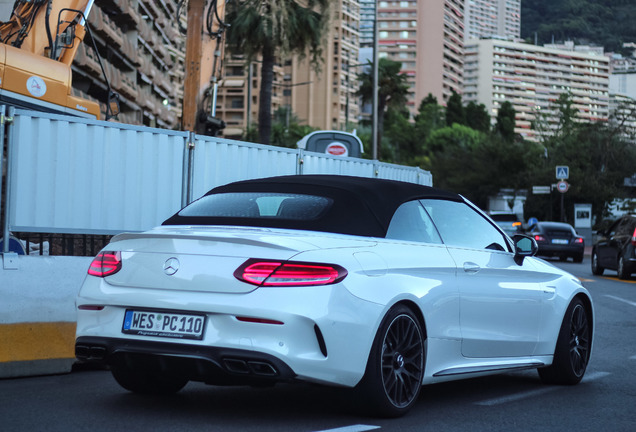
(525, 246)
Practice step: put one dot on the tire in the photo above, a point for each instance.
(572, 352)
(621, 270)
(146, 378)
(393, 378)
(596, 267)
(578, 258)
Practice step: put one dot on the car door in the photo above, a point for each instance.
(500, 300)
(608, 245)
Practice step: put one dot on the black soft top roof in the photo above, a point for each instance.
(361, 206)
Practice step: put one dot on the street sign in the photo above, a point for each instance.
(562, 172)
(540, 190)
(563, 186)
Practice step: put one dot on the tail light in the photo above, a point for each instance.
(105, 264)
(539, 238)
(634, 238)
(579, 240)
(288, 273)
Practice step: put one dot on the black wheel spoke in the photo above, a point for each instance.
(579, 340)
(402, 360)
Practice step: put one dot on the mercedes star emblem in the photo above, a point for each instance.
(171, 266)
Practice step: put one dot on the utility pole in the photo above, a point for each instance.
(192, 84)
(374, 116)
(200, 65)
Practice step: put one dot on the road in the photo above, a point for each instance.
(604, 401)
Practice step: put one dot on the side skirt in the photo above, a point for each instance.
(488, 368)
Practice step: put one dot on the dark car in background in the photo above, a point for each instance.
(614, 248)
(509, 222)
(558, 239)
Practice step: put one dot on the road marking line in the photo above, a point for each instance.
(586, 280)
(615, 278)
(621, 300)
(354, 428)
(537, 392)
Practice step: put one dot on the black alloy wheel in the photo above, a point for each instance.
(596, 267)
(395, 368)
(572, 353)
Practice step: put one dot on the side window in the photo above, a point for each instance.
(612, 229)
(410, 222)
(625, 228)
(460, 225)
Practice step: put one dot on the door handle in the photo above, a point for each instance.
(471, 267)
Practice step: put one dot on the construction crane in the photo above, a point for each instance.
(37, 47)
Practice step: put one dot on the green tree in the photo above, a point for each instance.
(455, 110)
(286, 129)
(477, 117)
(270, 28)
(478, 164)
(608, 23)
(401, 142)
(393, 89)
(458, 164)
(567, 115)
(599, 158)
(505, 125)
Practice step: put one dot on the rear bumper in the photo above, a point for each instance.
(212, 365)
(561, 250)
(324, 333)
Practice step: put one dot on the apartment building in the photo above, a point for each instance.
(367, 22)
(323, 99)
(532, 78)
(489, 18)
(141, 50)
(427, 36)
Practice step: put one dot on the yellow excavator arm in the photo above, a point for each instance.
(37, 47)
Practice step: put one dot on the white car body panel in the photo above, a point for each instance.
(348, 313)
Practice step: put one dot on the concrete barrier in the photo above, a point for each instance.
(37, 314)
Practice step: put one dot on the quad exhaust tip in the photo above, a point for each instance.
(250, 367)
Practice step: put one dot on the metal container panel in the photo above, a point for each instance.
(92, 177)
(318, 163)
(220, 161)
(72, 175)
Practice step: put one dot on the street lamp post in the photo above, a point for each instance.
(374, 117)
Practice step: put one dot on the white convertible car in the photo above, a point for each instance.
(375, 284)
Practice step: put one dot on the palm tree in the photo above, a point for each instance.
(393, 89)
(271, 28)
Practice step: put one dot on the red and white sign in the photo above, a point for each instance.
(563, 186)
(337, 149)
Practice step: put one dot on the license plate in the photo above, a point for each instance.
(163, 324)
(560, 241)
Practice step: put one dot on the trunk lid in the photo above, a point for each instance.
(204, 258)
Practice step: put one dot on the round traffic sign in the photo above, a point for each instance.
(563, 186)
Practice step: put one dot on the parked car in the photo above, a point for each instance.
(376, 285)
(558, 239)
(510, 222)
(614, 248)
